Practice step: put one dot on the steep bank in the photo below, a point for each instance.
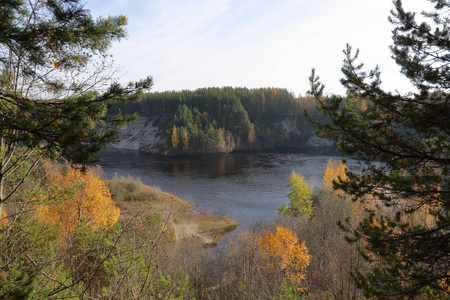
(143, 135)
(146, 136)
(219, 121)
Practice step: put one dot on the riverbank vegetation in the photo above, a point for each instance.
(57, 242)
(72, 234)
(65, 237)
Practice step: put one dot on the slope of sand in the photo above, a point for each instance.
(179, 215)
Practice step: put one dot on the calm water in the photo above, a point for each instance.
(244, 186)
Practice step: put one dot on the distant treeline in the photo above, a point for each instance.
(226, 119)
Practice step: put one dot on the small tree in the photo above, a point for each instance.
(78, 197)
(335, 172)
(284, 251)
(175, 138)
(300, 197)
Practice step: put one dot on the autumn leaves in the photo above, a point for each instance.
(281, 253)
(284, 251)
(77, 198)
(300, 196)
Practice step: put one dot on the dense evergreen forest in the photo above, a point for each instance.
(221, 120)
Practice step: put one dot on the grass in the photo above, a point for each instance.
(132, 195)
(130, 189)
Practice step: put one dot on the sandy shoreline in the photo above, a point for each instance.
(180, 216)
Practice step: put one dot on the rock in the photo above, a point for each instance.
(141, 135)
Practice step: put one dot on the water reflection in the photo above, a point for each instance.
(242, 186)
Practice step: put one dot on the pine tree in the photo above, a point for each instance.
(56, 83)
(404, 142)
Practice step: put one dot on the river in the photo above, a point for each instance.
(246, 187)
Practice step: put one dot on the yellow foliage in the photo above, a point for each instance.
(336, 170)
(175, 139)
(284, 251)
(444, 284)
(363, 105)
(3, 221)
(185, 139)
(90, 202)
(425, 215)
(51, 170)
(299, 196)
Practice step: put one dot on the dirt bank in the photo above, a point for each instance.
(182, 219)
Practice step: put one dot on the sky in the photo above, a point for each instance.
(190, 44)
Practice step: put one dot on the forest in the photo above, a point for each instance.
(382, 232)
(223, 120)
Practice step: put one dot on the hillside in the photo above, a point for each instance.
(217, 120)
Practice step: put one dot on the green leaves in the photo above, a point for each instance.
(300, 197)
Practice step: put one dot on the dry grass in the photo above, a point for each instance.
(131, 195)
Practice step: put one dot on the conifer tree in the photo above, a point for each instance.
(404, 142)
(56, 81)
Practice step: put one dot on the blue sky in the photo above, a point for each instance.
(189, 44)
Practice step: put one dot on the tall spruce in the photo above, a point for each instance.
(404, 142)
(56, 81)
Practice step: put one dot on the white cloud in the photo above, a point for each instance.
(188, 44)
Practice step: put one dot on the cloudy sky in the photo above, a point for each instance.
(189, 44)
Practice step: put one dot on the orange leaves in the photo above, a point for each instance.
(56, 64)
(284, 251)
(335, 171)
(90, 201)
(3, 221)
(274, 92)
(175, 139)
(185, 138)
